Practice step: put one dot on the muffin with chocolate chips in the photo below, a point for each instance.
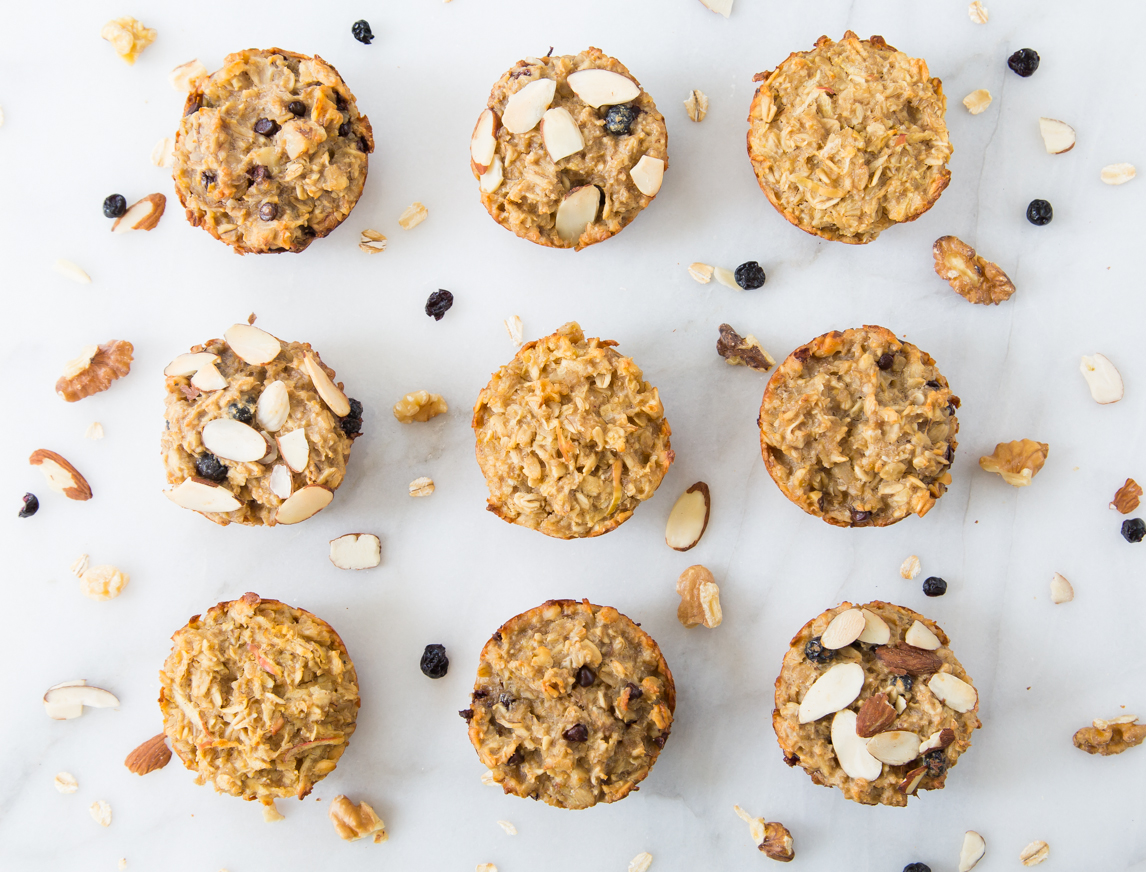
(272, 151)
(572, 705)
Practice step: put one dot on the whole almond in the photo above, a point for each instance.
(151, 755)
(875, 716)
(913, 661)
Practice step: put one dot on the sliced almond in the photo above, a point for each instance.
(874, 716)
(233, 440)
(61, 711)
(953, 692)
(835, 689)
(303, 504)
(483, 141)
(142, 215)
(875, 629)
(972, 851)
(163, 153)
(356, 551)
(62, 476)
(894, 747)
(69, 270)
(1058, 136)
(851, 750)
(844, 629)
(201, 495)
(648, 174)
(66, 701)
(1118, 174)
(724, 7)
(280, 481)
(910, 783)
(577, 211)
(328, 390)
(1061, 590)
(252, 345)
(295, 450)
(919, 636)
(560, 133)
(272, 449)
(900, 705)
(603, 87)
(726, 277)
(689, 518)
(208, 378)
(938, 740)
(273, 406)
(492, 178)
(189, 363)
(184, 76)
(1102, 378)
(524, 108)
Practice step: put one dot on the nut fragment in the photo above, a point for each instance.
(1111, 737)
(487, 778)
(755, 825)
(641, 862)
(1118, 174)
(910, 567)
(834, 690)
(1126, 499)
(513, 328)
(419, 406)
(356, 551)
(970, 275)
(270, 813)
(702, 272)
(907, 659)
(1102, 378)
(1061, 590)
(689, 518)
(128, 37)
(94, 431)
(62, 476)
(150, 756)
(354, 822)
(696, 105)
(977, 101)
(70, 270)
(910, 783)
(372, 242)
(1017, 462)
(844, 629)
(95, 369)
(1035, 853)
(414, 215)
(874, 716)
(977, 12)
(919, 635)
(699, 598)
(103, 582)
(740, 350)
(422, 486)
(953, 692)
(726, 277)
(163, 154)
(66, 700)
(777, 842)
(141, 215)
(100, 812)
(972, 851)
(509, 828)
(65, 782)
(939, 739)
(184, 76)
(1058, 136)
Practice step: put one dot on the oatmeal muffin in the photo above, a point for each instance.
(871, 700)
(257, 431)
(271, 152)
(849, 138)
(569, 149)
(572, 704)
(859, 428)
(570, 437)
(259, 698)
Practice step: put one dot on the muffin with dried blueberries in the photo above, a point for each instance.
(570, 436)
(858, 428)
(257, 430)
(259, 698)
(849, 139)
(569, 149)
(272, 151)
(572, 705)
(872, 700)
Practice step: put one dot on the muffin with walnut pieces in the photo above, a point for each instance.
(859, 428)
(272, 151)
(259, 698)
(849, 139)
(572, 705)
(872, 700)
(570, 437)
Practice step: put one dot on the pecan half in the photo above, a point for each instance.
(93, 372)
(875, 715)
(913, 661)
(740, 350)
(151, 755)
(970, 276)
(1126, 500)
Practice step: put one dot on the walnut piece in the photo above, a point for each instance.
(777, 842)
(1126, 500)
(128, 37)
(696, 105)
(95, 369)
(103, 582)
(1111, 737)
(740, 350)
(972, 277)
(419, 406)
(354, 822)
(699, 598)
(1017, 462)
(150, 756)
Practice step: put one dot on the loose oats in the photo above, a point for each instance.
(910, 567)
(696, 105)
(414, 215)
(94, 431)
(372, 242)
(422, 487)
(128, 37)
(508, 827)
(100, 812)
(702, 272)
(978, 12)
(643, 860)
(66, 782)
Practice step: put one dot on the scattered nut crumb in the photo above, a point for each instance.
(354, 822)
(702, 272)
(643, 860)
(66, 782)
(69, 270)
(740, 350)
(971, 276)
(777, 842)
(270, 813)
(414, 215)
(372, 242)
(487, 778)
(910, 567)
(128, 37)
(103, 582)
(486, 867)
(1035, 853)
(95, 369)
(755, 825)
(978, 12)
(149, 756)
(163, 154)
(1118, 174)
(696, 105)
(1126, 499)
(699, 598)
(1, 117)
(79, 565)
(122, 863)
(422, 486)
(1111, 737)
(508, 827)
(977, 101)
(184, 76)
(726, 277)
(1017, 462)
(1061, 590)
(513, 328)
(100, 812)
(94, 431)
(419, 406)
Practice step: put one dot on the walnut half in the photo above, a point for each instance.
(419, 406)
(1111, 737)
(1017, 462)
(740, 350)
(354, 822)
(699, 598)
(971, 276)
(95, 369)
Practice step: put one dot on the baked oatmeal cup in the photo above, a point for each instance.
(572, 705)
(871, 699)
(858, 428)
(849, 138)
(570, 437)
(569, 149)
(257, 430)
(258, 698)
(271, 152)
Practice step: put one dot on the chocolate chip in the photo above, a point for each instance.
(949, 455)
(885, 360)
(586, 677)
(467, 714)
(339, 100)
(576, 733)
(802, 354)
(266, 127)
(259, 173)
(478, 694)
(634, 692)
(514, 759)
(363, 145)
(344, 128)
(193, 106)
(934, 385)
(297, 108)
(497, 636)
(208, 179)
(859, 517)
(268, 211)
(659, 741)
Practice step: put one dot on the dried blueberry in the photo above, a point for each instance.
(934, 586)
(618, 119)
(208, 179)
(514, 759)
(114, 206)
(885, 360)
(1039, 212)
(466, 714)
(936, 762)
(268, 211)
(241, 412)
(659, 741)
(344, 128)
(362, 32)
(916, 867)
(297, 108)
(31, 506)
(576, 733)
(934, 385)
(355, 408)
(750, 276)
(363, 145)
(634, 692)
(439, 303)
(209, 467)
(586, 676)
(435, 663)
(1024, 62)
(816, 652)
(266, 127)
(902, 683)
(505, 700)
(1133, 530)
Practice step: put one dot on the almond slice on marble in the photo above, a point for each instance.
(726, 277)
(525, 108)
(233, 440)
(303, 504)
(972, 851)
(835, 689)
(1118, 174)
(844, 629)
(894, 747)
(356, 551)
(874, 716)
(953, 692)
(69, 270)
(208, 378)
(62, 477)
(1102, 378)
(689, 518)
(252, 345)
(919, 636)
(67, 711)
(280, 481)
(851, 751)
(1058, 136)
(648, 174)
(189, 363)
(938, 740)
(875, 629)
(577, 211)
(603, 87)
(273, 406)
(491, 179)
(295, 450)
(1061, 590)
(724, 7)
(141, 215)
(560, 133)
(201, 495)
(483, 141)
(66, 701)
(328, 390)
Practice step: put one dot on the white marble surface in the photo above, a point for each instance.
(81, 124)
